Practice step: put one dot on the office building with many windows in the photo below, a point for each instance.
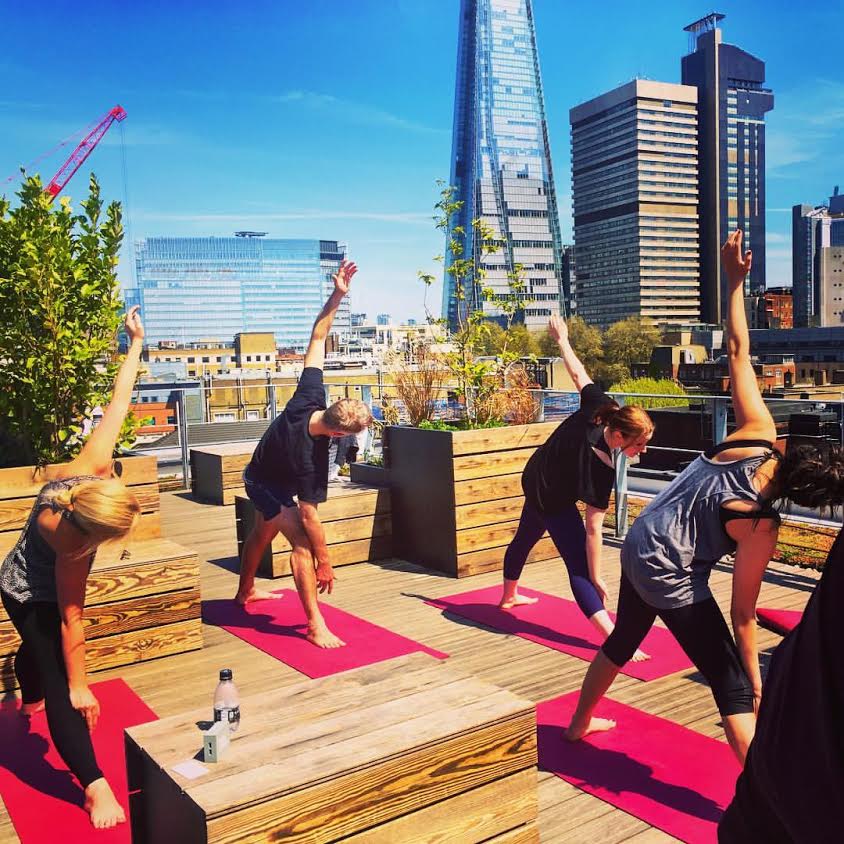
(817, 238)
(501, 160)
(635, 194)
(200, 288)
(731, 112)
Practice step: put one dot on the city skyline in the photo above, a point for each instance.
(501, 167)
(224, 134)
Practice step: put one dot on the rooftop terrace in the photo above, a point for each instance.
(391, 594)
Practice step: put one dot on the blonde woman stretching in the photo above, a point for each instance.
(42, 585)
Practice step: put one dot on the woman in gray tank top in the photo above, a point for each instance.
(42, 586)
(720, 504)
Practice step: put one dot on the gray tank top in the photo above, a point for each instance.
(676, 541)
(29, 571)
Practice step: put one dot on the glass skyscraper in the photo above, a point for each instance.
(202, 288)
(731, 111)
(501, 160)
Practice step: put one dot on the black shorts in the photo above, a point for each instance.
(268, 500)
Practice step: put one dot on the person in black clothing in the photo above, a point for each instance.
(287, 477)
(575, 464)
(793, 779)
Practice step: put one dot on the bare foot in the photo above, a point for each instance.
(255, 594)
(29, 709)
(516, 601)
(640, 656)
(102, 805)
(595, 725)
(322, 637)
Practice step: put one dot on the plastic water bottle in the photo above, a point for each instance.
(227, 701)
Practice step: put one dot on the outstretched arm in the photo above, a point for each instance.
(560, 332)
(753, 421)
(95, 457)
(315, 356)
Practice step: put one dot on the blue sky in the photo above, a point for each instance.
(328, 119)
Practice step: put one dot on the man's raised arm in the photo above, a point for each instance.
(315, 356)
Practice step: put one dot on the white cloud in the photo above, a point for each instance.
(352, 111)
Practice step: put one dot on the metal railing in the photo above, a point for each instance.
(714, 411)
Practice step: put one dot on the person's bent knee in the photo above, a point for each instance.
(617, 651)
(301, 556)
(735, 699)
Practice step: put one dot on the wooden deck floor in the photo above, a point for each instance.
(391, 594)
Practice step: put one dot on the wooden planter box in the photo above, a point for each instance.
(457, 495)
(357, 526)
(407, 750)
(366, 473)
(142, 599)
(216, 471)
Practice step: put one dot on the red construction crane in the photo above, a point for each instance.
(85, 148)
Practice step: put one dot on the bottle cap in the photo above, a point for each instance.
(226, 674)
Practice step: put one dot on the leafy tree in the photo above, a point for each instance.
(656, 386)
(517, 340)
(585, 339)
(477, 380)
(60, 306)
(630, 341)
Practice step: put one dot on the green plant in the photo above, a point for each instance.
(661, 386)
(476, 380)
(419, 383)
(60, 306)
(459, 424)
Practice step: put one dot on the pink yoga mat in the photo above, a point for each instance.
(41, 795)
(278, 628)
(780, 621)
(672, 778)
(559, 624)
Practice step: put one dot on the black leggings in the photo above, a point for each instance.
(41, 672)
(702, 633)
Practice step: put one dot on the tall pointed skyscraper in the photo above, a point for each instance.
(731, 146)
(501, 160)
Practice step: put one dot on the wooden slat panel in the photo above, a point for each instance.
(488, 512)
(488, 536)
(123, 616)
(502, 439)
(473, 816)
(346, 530)
(137, 579)
(148, 527)
(15, 511)
(131, 647)
(342, 504)
(488, 489)
(236, 462)
(489, 465)
(342, 554)
(20, 482)
(403, 782)
(492, 559)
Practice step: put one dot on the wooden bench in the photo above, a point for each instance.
(408, 750)
(358, 527)
(217, 471)
(142, 599)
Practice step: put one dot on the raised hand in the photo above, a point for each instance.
(558, 329)
(736, 266)
(343, 277)
(132, 324)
